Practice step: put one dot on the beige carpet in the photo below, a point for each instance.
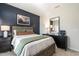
(59, 52)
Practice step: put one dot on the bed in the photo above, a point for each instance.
(37, 45)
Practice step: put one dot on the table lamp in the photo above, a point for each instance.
(5, 28)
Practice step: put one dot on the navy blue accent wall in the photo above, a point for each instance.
(8, 17)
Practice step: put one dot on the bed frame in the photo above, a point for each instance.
(49, 51)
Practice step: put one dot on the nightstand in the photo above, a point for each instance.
(5, 44)
(60, 40)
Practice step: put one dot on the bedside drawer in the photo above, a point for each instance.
(5, 44)
(5, 48)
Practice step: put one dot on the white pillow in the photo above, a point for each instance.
(14, 32)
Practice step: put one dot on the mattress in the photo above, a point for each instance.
(32, 48)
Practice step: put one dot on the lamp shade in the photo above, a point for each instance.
(5, 28)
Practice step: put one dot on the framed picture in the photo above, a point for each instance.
(23, 20)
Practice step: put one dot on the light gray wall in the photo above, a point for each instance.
(69, 21)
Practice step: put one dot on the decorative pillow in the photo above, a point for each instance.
(24, 33)
(14, 32)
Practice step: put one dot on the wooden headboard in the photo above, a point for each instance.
(23, 30)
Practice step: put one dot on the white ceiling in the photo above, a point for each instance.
(37, 8)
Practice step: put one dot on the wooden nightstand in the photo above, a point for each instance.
(5, 44)
(60, 40)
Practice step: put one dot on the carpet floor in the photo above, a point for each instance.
(59, 52)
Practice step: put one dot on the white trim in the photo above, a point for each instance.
(74, 49)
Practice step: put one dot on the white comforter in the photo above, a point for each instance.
(33, 47)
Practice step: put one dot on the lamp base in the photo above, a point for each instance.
(5, 34)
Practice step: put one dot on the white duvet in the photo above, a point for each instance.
(32, 48)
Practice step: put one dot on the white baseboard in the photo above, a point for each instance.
(74, 49)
